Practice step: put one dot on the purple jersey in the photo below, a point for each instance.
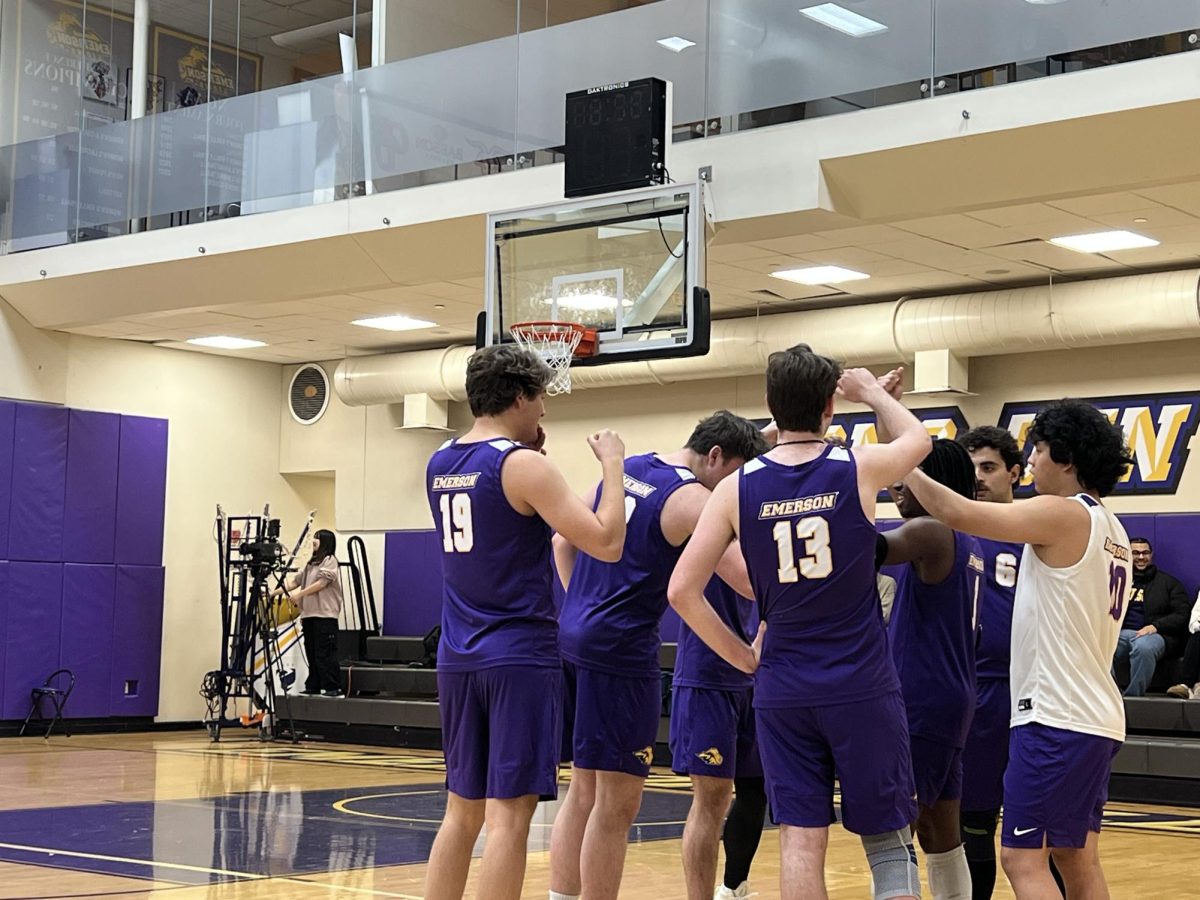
(810, 551)
(696, 665)
(1001, 561)
(933, 632)
(498, 606)
(609, 620)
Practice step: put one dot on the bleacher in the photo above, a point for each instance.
(389, 703)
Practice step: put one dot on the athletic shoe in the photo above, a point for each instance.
(1182, 691)
(1196, 691)
(331, 693)
(255, 719)
(724, 893)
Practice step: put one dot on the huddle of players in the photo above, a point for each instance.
(795, 530)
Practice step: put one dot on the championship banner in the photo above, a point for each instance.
(65, 52)
(183, 61)
(1157, 427)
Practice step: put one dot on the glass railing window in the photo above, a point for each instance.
(251, 106)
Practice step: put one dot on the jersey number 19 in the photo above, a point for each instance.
(458, 534)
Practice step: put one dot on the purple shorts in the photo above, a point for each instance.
(712, 733)
(1055, 787)
(937, 770)
(610, 722)
(985, 756)
(497, 742)
(865, 744)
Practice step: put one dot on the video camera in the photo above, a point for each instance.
(264, 554)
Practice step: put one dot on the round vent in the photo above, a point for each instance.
(309, 394)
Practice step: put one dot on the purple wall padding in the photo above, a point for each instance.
(87, 637)
(1141, 525)
(91, 505)
(1175, 538)
(8, 414)
(34, 620)
(39, 478)
(412, 582)
(137, 640)
(141, 491)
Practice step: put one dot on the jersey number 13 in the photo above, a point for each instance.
(817, 561)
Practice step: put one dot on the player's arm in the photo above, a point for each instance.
(565, 552)
(714, 534)
(924, 542)
(680, 516)
(880, 465)
(1041, 520)
(532, 482)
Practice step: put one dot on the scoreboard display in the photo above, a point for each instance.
(616, 137)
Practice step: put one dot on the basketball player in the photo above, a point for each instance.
(998, 466)
(495, 500)
(1068, 719)
(610, 642)
(932, 635)
(712, 740)
(826, 697)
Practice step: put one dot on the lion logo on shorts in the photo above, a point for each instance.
(711, 757)
(644, 756)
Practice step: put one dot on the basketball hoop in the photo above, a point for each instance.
(557, 343)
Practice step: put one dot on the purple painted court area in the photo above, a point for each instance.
(260, 833)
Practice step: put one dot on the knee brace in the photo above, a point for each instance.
(979, 833)
(893, 863)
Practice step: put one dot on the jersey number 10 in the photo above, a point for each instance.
(817, 561)
(458, 534)
(1118, 578)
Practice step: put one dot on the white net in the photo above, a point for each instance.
(555, 343)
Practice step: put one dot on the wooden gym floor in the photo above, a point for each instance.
(175, 816)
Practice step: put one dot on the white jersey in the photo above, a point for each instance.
(1065, 628)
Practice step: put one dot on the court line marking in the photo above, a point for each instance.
(341, 807)
(204, 870)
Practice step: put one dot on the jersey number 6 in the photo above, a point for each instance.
(817, 561)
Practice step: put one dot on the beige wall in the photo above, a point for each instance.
(380, 468)
(231, 437)
(223, 447)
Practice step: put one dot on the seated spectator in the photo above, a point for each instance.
(1190, 688)
(1156, 619)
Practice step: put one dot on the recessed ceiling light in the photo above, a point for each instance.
(394, 323)
(676, 43)
(998, 271)
(1104, 241)
(819, 275)
(840, 19)
(224, 342)
(1044, 2)
(439, 306)
(1140, 221)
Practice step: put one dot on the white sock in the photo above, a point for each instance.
(555, 895)
(949, 877)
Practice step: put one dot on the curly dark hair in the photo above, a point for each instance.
(998, 439)
(799, 385)
(950, 464)
(1078, 434)
(499, 374)
(735, 436)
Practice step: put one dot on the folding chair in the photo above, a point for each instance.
(56, 695)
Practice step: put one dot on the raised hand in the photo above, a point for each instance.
(606, 445)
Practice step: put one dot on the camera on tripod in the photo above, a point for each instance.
(265, 554)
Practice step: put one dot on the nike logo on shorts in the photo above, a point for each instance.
(1021, 832)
